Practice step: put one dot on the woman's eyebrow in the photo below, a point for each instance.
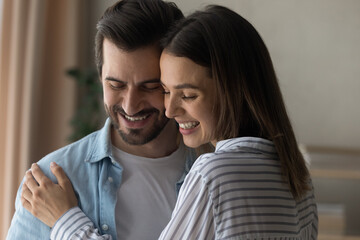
(182, 86)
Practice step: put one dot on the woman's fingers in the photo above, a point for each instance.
(26, 197)
(26, 193)
(60, 175)
(65, 184)
(46, 200)
(30, 181)
(26, 204)
(39, 175)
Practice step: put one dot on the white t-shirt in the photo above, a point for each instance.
(147, 195)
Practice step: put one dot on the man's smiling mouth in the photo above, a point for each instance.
(134, 119)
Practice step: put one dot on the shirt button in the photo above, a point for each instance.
(110, 179)
(105, 227)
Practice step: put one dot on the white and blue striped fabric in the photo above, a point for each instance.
(237, 192)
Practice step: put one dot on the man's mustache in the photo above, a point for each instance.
(118, 109)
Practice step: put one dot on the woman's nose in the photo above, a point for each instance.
(172, 106)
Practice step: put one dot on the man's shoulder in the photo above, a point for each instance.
(78, 148)
(71, 159)
(74, 155)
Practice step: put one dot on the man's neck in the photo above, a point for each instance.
(163, 145)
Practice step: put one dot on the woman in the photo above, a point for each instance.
(220, 86)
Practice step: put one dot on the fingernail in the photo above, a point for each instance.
(52, 164)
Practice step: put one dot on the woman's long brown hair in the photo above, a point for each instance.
(249, 101)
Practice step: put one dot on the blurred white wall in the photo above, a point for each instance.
(315, 47)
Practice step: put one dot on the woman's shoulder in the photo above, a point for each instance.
(205, 160)
(241, 167)
(238, 156)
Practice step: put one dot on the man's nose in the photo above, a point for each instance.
(132, 101)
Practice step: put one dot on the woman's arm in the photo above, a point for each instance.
(193, 216)
(75, 225)
(56, 205)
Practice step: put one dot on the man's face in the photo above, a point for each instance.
(133, 95)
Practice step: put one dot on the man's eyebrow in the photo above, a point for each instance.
(114, 79)
(183, 86)
(155, 80)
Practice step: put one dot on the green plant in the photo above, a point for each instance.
(88, 116)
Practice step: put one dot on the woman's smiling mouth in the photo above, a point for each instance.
(188, 125)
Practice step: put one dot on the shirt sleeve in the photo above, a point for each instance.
(75, 225)
(193, 216)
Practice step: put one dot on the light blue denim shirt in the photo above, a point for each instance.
(89, 165)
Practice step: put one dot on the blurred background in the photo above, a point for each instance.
(50, 96)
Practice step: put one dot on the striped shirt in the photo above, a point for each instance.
(237, 192)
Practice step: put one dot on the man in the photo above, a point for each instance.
(125, 174)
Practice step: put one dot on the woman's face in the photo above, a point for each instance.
(189, 98)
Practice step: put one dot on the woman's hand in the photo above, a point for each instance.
(46, 200)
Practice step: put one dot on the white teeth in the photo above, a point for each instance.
(188, 125)
(133, 119)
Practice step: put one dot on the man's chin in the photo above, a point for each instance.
(140, 136)
(134, 137)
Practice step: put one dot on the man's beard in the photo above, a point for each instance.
(137, 136)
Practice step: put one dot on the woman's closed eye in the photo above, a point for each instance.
(184, 97)
(189, 97)
(180, 93)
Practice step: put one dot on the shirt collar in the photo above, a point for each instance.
(101, 144)
(261, 144)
